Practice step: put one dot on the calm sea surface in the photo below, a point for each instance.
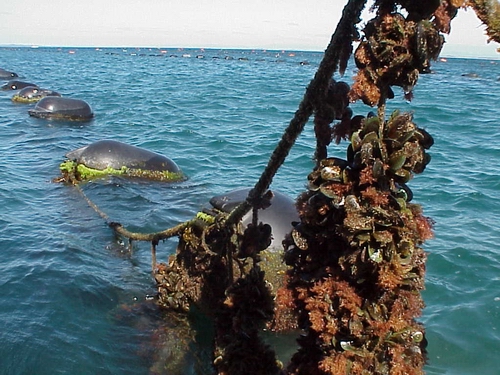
(72, 299)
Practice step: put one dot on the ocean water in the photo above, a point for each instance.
(74, 300)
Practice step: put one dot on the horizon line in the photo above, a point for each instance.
(456, 54)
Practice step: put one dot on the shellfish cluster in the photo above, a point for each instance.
(357, 264)
(394, 51)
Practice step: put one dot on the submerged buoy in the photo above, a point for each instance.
(59, 108)
(17, 85)
(109, 157)
(33, 94)
(279, 215)
(5, 74)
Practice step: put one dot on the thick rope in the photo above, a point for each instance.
(313, 96)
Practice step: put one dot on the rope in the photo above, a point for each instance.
(313, 96)
(154, 238)
(118, 228)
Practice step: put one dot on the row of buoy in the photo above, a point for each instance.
(279, 58)
(104, 157)
(5, 74)
(49, 104)
(113, 157)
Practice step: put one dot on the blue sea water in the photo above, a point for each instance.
(72, 297)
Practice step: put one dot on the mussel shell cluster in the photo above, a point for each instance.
(356, 252)
(393, 53)
(367, 193)
(172, 293)
(385, 155)
(394, 150)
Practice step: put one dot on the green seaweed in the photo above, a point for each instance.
(209, 219)
(67, 166)
(26, 100)
(75, 172)
(86, 173)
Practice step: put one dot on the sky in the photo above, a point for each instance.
(260, 24)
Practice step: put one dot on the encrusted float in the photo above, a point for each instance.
(109, 157)
(33, 94)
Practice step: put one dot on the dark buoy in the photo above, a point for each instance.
(108, 157)
(17, 85)
(33, 94)
(59, 108)
(279, 215)
(5, 74)
(470, 75)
